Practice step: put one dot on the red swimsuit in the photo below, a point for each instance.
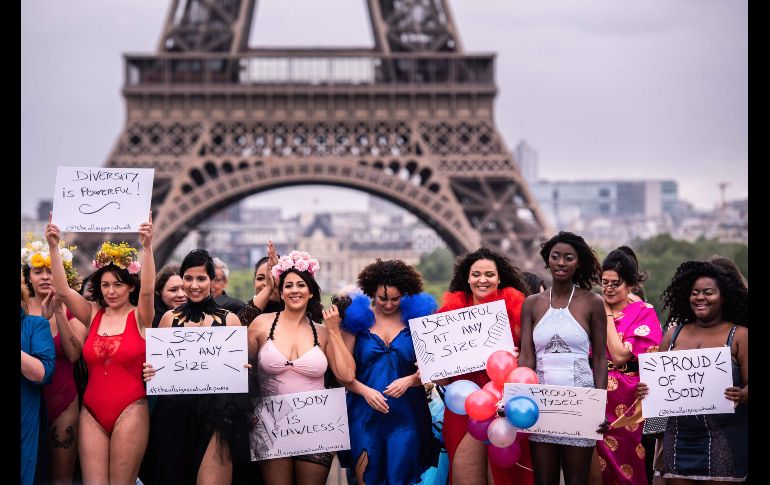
(114, 371)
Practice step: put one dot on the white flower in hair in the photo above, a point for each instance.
(66, 254)
(37, 245)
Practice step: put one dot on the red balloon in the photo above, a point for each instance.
(480, 405)
(494, 388)
(499, 365)
(522, 375)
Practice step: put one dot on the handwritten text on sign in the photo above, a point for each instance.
(197, 360)
(300, 424)
(575, 412)
(88, 199)
(685, 382)
(460, 341)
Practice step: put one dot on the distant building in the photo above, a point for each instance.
(526, 159)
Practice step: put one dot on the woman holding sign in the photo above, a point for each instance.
(196, 438)
(482, 276)
(294, 352)
(713, 307)
(114, 422)
(387, 407)
(558, 328)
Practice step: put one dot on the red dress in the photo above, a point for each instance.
(456, 425)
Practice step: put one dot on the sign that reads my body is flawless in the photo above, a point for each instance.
(197, 360)
(88, 199)
(460, 341)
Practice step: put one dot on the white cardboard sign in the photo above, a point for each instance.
(686, 382)
(572, 412)
(460, 341)
(197, 360)
(100, 199)
(300, 424)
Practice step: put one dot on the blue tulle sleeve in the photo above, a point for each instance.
(415, 306)
(359, 315)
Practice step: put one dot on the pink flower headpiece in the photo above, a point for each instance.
(299, 260)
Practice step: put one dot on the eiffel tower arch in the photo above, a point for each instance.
(410, 120)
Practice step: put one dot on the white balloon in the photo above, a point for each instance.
(501, 433)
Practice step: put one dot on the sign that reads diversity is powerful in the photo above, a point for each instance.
(686, 382)
(460, 341)
(300, 424)
(574, 412)
(197, 360)
(88, 199)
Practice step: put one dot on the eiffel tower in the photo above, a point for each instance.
(409, 120)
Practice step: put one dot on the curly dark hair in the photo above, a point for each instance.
(589, 271)
(121, 275)
(393, 272)
(623, 261)
(735, 296)
(510, 275)
(25, 272)
(314, 306)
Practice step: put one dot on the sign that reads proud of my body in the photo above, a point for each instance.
(197, 360)
(300, 424)
(574, 412)
(88, 199)
(686, 382)
(460, 341)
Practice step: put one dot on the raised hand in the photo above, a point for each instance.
(332, 318)
(52, 234)
(145, 232)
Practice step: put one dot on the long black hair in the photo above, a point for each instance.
(509, 274)
(314, 306)
(623, 261)
(588, 272)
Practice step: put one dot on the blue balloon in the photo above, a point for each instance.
(522, 411)
(456, 394)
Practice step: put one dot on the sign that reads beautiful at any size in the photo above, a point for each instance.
(197, 360)
(300, 424)
(574, 412)
(460, 341)
(686, 382)
(88, 199)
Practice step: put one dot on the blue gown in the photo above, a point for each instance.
(400, 444)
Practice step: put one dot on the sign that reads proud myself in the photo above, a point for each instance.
(89, 199)
(685, 382)
(300, 424)
(197, 360)
(574, 412)
(460, 341)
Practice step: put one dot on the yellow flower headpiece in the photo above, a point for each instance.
(34, 254)
(121, 255)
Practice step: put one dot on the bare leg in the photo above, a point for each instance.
(546, 462)
(576, 461)
(94, 448)
(214, 468)
(469, 466)
(361, 465)
(62, 441)
(278, 471)
(128, 442)
(595, 476)
(308, 473)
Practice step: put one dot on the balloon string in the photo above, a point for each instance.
(524, 467)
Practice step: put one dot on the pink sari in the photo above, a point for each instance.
(621, 454)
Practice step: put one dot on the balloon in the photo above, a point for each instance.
(478, 429)
(522, 375)
(522, 411)
(481, 405)
(504, 457)
(501, 433)
(494, 389)
(457, 392)
(499, 365)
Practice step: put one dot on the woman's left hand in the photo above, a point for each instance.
(332, 318)
(737, 394)
(145, 232)
(398, 387)
(604, 427)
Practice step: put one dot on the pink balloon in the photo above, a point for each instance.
(504, 457)
(522, 375)
(478, 429)
(480, 405)
(499, 365)
(494, 388)
(501, 433)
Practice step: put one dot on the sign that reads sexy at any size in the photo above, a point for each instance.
(197, 360)
(574, 412)
(686, 382)
(300, 424)
(460, 341)
(88, 199)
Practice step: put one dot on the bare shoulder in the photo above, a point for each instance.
(231, 320)
(322, 330)
(262, 322)
(588, 298)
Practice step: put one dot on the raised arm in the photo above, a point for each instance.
(598, 340)
(340, 359)
(146, 309)
(79, 306)
(72, 331)
(260, 299)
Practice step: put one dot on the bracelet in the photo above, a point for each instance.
(611, 315)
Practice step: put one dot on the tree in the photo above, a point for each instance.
(437, 265)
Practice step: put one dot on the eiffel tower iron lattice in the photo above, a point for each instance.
(410, 120)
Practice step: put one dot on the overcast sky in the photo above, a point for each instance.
(600, 88)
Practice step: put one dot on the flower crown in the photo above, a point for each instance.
(35, 255)
(299, 260)
(121, 255)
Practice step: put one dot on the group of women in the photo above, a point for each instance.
(568, 334)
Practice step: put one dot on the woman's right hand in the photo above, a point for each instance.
(641, 390)
(376, 400)
(50, 304)
(52, 234)
(148, 371)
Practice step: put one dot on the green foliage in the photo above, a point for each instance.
(437, 265)
(240, 284)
